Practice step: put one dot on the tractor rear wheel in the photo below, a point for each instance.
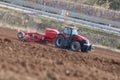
(59, 41)
(75, 46)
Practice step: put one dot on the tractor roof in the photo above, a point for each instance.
(70, 27)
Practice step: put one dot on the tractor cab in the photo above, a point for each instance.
(70, 31)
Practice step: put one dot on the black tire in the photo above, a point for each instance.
(59, 41)
(20, 36)
(75, 46)
(84, 48)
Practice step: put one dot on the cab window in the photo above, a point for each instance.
(67, 31)
(74, 32)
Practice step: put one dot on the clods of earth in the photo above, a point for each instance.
(33, 61)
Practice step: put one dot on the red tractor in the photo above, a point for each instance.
(69, 39)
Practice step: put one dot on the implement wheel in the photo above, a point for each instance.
(20, 36)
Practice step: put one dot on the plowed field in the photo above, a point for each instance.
(33, 61)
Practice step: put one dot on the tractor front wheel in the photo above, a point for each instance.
(59, 41)
(75, 46)
(84, 48)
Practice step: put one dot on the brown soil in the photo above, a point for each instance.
(32, 61)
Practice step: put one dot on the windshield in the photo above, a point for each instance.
(74, 32)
